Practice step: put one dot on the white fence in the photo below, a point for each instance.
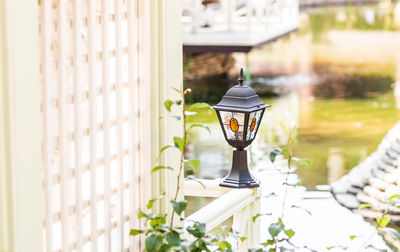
(238, 15)
(241, 204)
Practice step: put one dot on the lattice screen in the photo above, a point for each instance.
(89, 71)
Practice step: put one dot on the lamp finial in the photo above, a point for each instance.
(241, 78)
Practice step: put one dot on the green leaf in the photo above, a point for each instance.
(151, 202)
(191, 177)
(161, 167)
(352, 237)
(393, 197)
(173, 239)
(168, 104)
(362, 206)
(225, 246)
(166, 147)
(267, 243)
(154, 242)
(161, 219)
(255, 217)
(375, 248)
(134, 232)
(306, 161)
(298, 184)
(274, 229)
(179, 143)
(289, 233)
(392, 231)
(179, 206)
(198, 105)
(204, 126)
(198, 229)
(179, 102)
(141, 214)
(274, 153)
(195, 163)
(383, 221)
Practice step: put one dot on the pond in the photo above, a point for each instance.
(337, 79)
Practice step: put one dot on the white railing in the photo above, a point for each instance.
(241, 204)
(238, 15)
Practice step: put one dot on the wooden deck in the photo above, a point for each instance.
(320, 3)
(237, 40)
(236, 26)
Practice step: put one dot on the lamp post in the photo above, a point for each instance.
(240, 112)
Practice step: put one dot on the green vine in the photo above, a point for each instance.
(162, 236)
(280, 236)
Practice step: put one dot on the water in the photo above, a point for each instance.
(335, 79)
(338, 80)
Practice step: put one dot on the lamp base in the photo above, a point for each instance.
(239, 176)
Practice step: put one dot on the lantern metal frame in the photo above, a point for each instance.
(240, 99)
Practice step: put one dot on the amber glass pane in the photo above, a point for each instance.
(254, 122)
(233, 124)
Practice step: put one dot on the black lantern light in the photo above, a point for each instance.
(240, 112)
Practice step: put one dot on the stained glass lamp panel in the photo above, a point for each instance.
(253, 124)
(233, 125)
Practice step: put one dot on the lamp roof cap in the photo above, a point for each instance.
(241, 98)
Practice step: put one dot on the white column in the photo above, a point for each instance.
(166, 74)
(20, 127)
(6, 234)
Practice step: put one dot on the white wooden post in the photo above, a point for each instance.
(20, 128)
(194, 14)
(6, 234)
(165, 58)
(243, 222)
(253, 231)
(241, 225)
(249, 13)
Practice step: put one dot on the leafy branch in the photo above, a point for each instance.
(380, 224)
(163, 236)
(280, 236)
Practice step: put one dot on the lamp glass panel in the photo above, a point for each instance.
(233, 124)
(254, 122)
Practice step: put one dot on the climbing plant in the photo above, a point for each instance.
(280, 235)
(163, 234)
(380, 224)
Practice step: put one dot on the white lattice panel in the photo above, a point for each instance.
(90, 94)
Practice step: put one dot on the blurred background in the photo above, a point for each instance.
(337, 78)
